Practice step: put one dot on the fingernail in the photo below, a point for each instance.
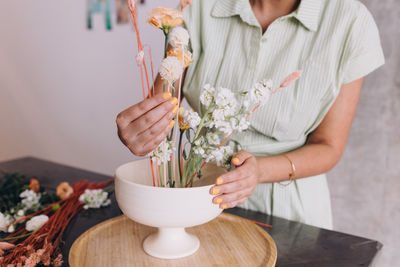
(235, 160)
(171, 124)
(174, 101)
(167, 95)
(218, 200)
(224, 206)
(215, 191)
(175, 109)
(219, 181)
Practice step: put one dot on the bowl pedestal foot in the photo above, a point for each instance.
(171, 243)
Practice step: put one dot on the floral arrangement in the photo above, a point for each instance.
(32, 221)
(226, 112)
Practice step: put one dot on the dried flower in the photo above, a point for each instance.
(34, 185)
(6, 246)
(178, 37)
(139, 58)
(291, 78)
(32, 260)
(165, 18)
(185, 3)
(64, 190)
(94, 198)
(57, 262)
(36, 222)
(179, 53)
(45, 254)
(171, 69)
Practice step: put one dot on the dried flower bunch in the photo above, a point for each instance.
(225, 111)
(32, 221)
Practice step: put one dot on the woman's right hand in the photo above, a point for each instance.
(143, 126)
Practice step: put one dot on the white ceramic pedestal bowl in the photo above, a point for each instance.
(168, 209)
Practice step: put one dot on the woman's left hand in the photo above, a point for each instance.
(235, 187)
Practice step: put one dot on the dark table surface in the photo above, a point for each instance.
(298, 244)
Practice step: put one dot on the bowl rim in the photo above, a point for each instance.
(116, 177)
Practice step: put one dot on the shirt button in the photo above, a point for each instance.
(264, 40)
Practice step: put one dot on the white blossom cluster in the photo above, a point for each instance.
(226, 112)
(94, 198)
(207, 148)
(219, 156)
(5, 220)
(30, 200)
(192, 118)
(36, 222)
(163, 152)
(227, 115)
(178, 37)
(261, 91)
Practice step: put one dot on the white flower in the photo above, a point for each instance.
(199, 146)
(94, 198)
(4, 221)
(219, 155)
(36, 222)
(192, 118)
(178, 37)
(223, 126)
(213, 139)
(171, 69)
(30, 199)
(224, 96)
(218, 115)
(240, 124)
(11, 228)
(20, 214)
(207, 95)
(261, 91)
(225, 101)
(163, 152)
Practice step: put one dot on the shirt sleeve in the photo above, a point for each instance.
(363, 51)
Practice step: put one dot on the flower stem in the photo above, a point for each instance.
(179, 156)
(16, 237)
(165, 44)
(201, 124)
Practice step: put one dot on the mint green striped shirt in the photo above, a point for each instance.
(333, 42)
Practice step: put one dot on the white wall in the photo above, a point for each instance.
(61, 85)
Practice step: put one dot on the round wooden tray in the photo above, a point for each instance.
(227, 240)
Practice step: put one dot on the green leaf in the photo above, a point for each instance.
(187, 133)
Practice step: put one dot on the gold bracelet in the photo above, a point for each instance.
(292, 175)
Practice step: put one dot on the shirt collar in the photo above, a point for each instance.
(308, 12)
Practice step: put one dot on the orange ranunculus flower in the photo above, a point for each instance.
(34, 185)
(177, 52)
(64, 190)
(165, 18)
